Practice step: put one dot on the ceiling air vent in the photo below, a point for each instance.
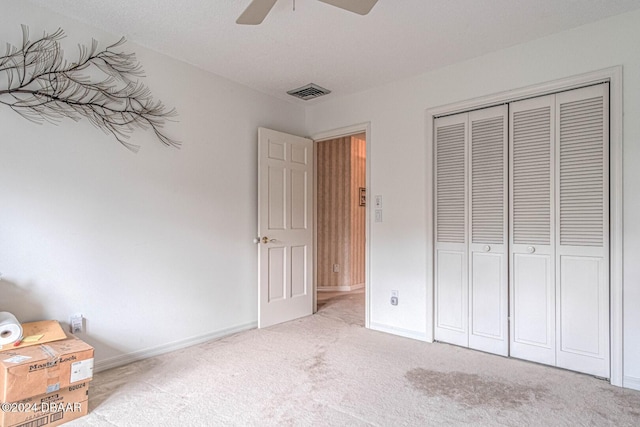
(309, 91)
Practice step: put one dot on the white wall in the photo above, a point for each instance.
(156, 247)
(399, 166)
(153, 247)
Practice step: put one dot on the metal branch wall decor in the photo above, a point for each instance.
(101, 85)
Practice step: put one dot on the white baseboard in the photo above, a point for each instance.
(631, 382)
(124, 359)
(420, 336)
(340, 288)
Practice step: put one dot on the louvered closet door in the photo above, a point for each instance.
(451, 286)
(488, 326)
(582, 235)
(532, 288)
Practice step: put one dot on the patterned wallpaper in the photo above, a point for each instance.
(341, 219)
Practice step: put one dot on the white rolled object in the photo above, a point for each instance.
(10, 328)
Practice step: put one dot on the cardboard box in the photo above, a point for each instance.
(44, 368)
(48, 409)
(45, 331)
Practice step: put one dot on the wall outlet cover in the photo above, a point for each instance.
(76, 323)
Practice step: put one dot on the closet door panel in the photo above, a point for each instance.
(532, 288)
(451, 277)
(451, 295)
(533, 312)
(488, 326)
(582, 209)
(581, 303)
(488, 284)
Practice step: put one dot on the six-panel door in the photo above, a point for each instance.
(285, 171)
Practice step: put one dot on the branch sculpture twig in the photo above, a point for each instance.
(101, 85)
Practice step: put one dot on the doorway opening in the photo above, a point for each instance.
(341, 223)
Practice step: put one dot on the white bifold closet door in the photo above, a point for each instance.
(560, 229)
(451, 277)
(582, 231)
(532, 293)
(488, 208)
(471, 230)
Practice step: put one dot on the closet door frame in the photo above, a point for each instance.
(612, 75)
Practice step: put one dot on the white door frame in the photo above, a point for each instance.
(612, 75)
(332, 134)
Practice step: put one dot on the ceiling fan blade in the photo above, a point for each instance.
(361, 7)
(255, 13)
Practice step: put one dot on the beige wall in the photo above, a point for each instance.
(341, 220)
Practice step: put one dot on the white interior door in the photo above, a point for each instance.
(582, 235)
(285, 227)
(488, 263)
(532, 288)
(451, 273)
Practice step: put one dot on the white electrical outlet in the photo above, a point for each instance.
(336, 268)
(394, 297)
(76, 323)
(378, 202)
(378, 215)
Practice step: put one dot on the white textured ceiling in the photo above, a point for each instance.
(333, 48)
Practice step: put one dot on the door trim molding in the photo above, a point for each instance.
(332, 134)
(343, 131)
(613, 75)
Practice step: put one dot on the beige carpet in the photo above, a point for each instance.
(327, 369)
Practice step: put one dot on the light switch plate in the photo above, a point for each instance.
(378, 215)
(378, 201)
